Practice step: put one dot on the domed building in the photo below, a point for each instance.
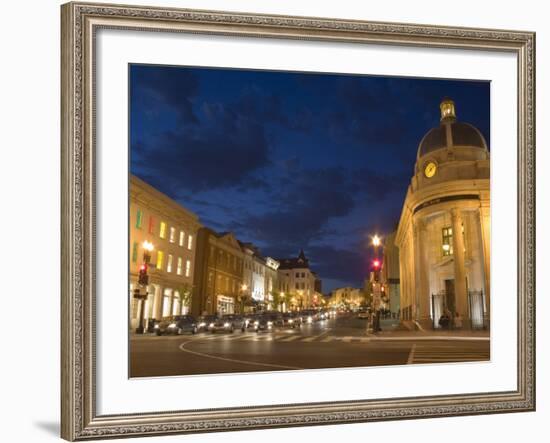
(444, 230)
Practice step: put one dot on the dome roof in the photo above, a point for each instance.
(450, 133)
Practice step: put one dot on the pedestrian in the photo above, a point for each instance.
(458, 321)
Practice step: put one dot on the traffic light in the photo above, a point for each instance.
(143, 277)
(376, 267)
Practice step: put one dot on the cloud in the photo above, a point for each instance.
(304, 205)
(224, 151)
(332, 263)
(164, 85)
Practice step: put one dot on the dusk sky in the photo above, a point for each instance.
(290, 160)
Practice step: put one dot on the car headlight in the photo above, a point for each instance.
(202, 325)
(226, 325)
(211, 325)
(291, 321)
(269, 323)
(256, 323)
(157, 326)
(309, 319)
(172, 325)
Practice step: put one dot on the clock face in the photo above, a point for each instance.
(430, 169)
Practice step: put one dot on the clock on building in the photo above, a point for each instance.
(430, 169)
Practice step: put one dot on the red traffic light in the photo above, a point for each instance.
(143, 268)
(376, 264)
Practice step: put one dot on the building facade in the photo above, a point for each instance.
(172, 231)
(271, 281)
(218, 281)
(444, 230)
(347, 297)
(297, 281)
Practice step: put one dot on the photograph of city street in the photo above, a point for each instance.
(298, 220)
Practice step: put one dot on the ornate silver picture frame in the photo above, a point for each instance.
(80, 23)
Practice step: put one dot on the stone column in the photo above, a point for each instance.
(485, 228)
(171, 302)
(461, 296)
(157, 307)
(421, 268)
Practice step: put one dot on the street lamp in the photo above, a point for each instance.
(244, 287)
(376, 241)
(143, 281)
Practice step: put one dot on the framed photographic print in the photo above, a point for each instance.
(283, 221)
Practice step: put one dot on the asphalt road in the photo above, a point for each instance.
(333, 343)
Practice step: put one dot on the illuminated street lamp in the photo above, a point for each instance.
(147, 249)
(376, 241)
(242, 296)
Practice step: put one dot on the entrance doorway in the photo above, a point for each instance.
(450, 303)
(443, 301)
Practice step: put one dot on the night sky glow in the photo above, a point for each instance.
(290, 160)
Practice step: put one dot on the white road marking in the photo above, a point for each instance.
(329, 339)
(314, 337)
(291, 338)
(233, 360)
(430, 338)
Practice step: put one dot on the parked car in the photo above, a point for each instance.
(177, 324)
(291, 320)
(204, 322)
(223, 323)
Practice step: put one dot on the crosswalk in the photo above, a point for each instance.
(449, 352)
(418, 351)
(282, 338)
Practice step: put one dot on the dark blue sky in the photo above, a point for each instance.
(290, 160)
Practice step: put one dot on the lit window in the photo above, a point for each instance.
(179, 270)
(160, 259)
(189, 242)
(172, 235)
(187, 268)
(169, 264)
(139, 218)
(134, 252)
(182, 237)
(447, 241)
(162, 233)
(151, 224)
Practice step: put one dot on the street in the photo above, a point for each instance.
(333, 343)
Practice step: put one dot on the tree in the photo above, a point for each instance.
(185, 294)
